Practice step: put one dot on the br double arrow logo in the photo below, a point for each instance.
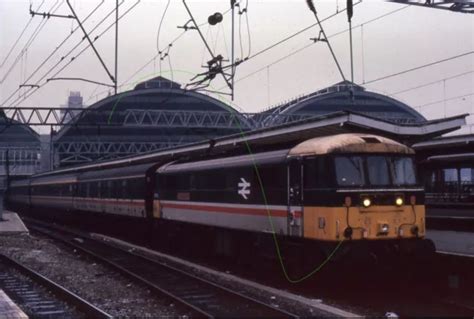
(244, 188)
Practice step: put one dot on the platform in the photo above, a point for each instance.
(11, 223)
(452, 241)
(8, 309)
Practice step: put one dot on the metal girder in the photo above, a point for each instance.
(188, 119)
(463, 6)
(40, 116)
(57, 116)
(87, 151)
(86, 117)
(109, 147)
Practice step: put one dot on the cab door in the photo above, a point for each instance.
(295, 198)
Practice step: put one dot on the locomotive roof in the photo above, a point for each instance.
(349, 143)
(227, 162)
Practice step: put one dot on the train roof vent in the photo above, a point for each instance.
(369, 139)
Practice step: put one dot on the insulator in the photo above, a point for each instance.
(215, 18)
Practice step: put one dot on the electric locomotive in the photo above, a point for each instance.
(357, 188)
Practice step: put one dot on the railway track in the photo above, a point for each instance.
(38, 296)
(205, 297)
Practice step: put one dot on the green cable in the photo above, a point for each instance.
(227, 103)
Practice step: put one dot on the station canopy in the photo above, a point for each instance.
(288, 135)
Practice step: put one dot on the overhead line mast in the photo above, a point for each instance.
(350, 13)
(325, 39)
(91, 43)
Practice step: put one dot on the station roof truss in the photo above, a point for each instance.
(74, 152)
(63, 116)
(289, 134)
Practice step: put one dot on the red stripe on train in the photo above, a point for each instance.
(232, 210)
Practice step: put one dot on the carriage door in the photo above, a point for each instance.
(295, 198)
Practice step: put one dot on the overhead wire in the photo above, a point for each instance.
(248, 28)
(203, 53)
(95, 39)
(225, 40)
(20, 36)
(288, 38)
(67, 54)
(291, 36)
(297, 50)
(312, 43)
(156, 55)
(445, 100)
(240, 35)
(57, 48)
(159, 30)
(171, 68)
(82, 51)
(419, 67)
(144, 65)
(275, 62)
(431, 83)
(31, 39)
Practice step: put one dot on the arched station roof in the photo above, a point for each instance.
(157, 94)
(16, 134)
(345, 96)
(156, 114)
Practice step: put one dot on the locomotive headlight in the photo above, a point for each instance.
(399, 201)
(366, 202)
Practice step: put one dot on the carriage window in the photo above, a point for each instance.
(403, 171)
(467, 175)
(124, 189)
(349, 171)
(450, 175)
(109, 189)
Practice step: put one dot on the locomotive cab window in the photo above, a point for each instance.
(403, 171)
(377, 168)
(349, 171)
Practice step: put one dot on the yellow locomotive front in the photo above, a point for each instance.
(360, 188)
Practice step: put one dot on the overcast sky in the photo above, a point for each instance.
(404, 39)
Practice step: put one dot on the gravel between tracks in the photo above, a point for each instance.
(108, 290)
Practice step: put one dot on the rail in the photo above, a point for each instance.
(206, 298)
(46, 307)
